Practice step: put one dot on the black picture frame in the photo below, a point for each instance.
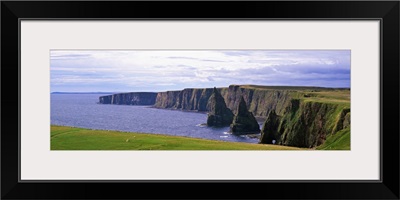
(386, 11)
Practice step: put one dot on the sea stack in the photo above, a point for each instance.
(269, 131)
(219, 114)
(244, 121)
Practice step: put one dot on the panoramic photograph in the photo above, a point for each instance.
(200, 100)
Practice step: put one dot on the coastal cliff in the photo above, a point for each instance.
(310, 117)
(260, 100)
(308, 124)
(187, 99)
(244, 121)
(131, 98)
(219, 114)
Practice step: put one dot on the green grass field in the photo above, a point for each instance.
(338, 141)
(70, 138)
(314, 94)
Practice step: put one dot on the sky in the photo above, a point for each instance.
(155, 71)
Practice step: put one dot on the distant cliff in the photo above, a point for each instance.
(187, 99)
(131, 98)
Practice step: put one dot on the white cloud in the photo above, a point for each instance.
(180, 69)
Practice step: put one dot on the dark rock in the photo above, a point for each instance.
(219, 114)
(305, 124)
(269, 130)
(244, 121)
(130, 98)
(344, 120)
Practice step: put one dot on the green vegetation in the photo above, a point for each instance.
(296, 88)
(337, 141)
(310, 115)
(331, 96)
(70, 138)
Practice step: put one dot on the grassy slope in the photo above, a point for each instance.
(337, 141)
(69, 138)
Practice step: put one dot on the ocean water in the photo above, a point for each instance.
(82, 110)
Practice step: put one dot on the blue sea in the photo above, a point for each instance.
(82, 110)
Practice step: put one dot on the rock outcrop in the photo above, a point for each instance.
(219, 114)
(344, 120)
(305, 123)
(270, 128)
(131, 98)
(244, 121)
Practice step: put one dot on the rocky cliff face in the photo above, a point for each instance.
(258, 101)
(131, 98)
(244, 122)
(187, 99)
(305, 123)
(219, 114)
(270, 128)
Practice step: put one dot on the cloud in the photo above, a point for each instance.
(181, 57)
(166, 70)
(197, 59)
(207, 60)
(54, 55)
(238, 53)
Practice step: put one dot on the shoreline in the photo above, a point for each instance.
(251, 136)
(72, 138)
